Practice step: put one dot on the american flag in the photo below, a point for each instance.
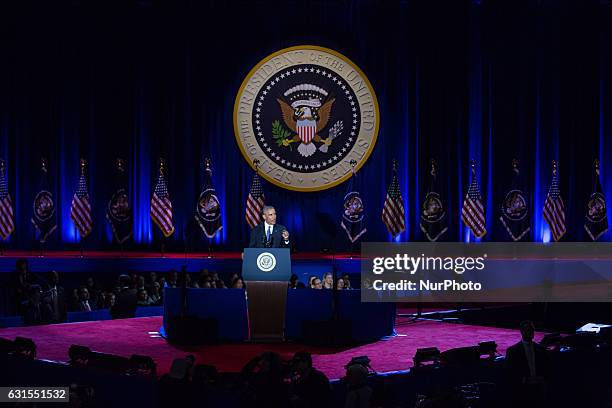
(161, 206)
(80, 209)
(473, 213)
(255, 203)
(554, 209)
(7, 223)
(393, 209)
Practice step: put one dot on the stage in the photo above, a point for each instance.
(141, 336)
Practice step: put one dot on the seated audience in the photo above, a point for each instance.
(359, 393)
(347, 281)
(294, 282)
(155, 294)
(152, 279)
(328, 281)
(143, 298)
(238, 283)
(204, 278)
(264, 382)
(140, 283)
(84, 305)
(109, 300)
(174, 386)
(93, 290)
(173, 279)
(310, 387)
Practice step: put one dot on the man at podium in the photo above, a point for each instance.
(269, 234)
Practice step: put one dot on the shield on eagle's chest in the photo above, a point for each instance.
(306, 129)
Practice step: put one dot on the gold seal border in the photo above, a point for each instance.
(374, 133)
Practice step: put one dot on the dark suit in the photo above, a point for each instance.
(258, 237)
(125, 304)
(57, 302)
(523, 393)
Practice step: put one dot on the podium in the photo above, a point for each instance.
(266, 272)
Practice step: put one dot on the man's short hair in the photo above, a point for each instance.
(266, 208)
(302, 356)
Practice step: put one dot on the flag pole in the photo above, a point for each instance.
(2, 164)
(353, 164)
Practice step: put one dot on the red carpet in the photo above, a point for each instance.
(131, 336)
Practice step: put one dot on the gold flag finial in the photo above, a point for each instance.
(434, 168)
(120, 164)
(515, 166)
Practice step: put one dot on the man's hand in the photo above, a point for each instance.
(285, 235)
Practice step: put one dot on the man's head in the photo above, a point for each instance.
(124, 281)
(83, 294)
(317, 284)
(53, 278)
(527, 330)
(302, 362)
(269, 214)
(142, 295)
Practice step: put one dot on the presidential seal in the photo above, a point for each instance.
(514, 206)
(433, 210)
(119, 206)
(44, 208)
(596, 208)
(266, 262)
(208, 206)
(305, 112)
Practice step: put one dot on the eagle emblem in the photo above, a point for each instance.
(307, 115)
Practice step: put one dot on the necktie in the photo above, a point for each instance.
(268, 233)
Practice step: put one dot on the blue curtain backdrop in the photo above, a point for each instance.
(455, 80)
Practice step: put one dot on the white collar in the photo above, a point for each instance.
(266, 226)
